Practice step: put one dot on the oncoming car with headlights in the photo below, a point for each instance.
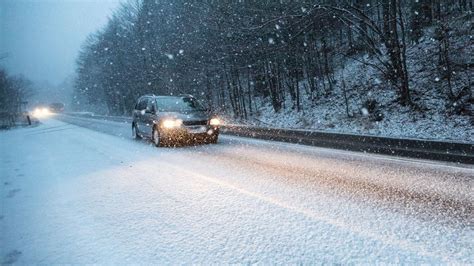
(41, 111)
(170, 119)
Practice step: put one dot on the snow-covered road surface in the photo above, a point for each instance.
(75, 195)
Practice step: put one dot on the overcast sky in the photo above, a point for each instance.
(41, 38)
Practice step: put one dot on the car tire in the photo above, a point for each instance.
(156, 138)
(135, 134)
(213, 139)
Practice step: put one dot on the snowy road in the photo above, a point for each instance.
(72, 194)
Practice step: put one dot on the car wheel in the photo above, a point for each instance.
(214, 138)
(155, 137)
(135, 134)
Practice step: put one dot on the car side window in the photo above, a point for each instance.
(142, 104)
(151, 105)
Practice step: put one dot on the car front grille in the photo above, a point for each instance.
(195, 123)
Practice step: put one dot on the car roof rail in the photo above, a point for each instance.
(179, 95)
(148, 95)
(186, 95)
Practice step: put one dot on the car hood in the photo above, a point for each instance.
(188, 116)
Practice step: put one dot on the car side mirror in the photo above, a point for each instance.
(149, 111)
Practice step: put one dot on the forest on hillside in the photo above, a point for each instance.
(241, 56)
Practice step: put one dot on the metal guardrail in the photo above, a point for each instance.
(414, 148)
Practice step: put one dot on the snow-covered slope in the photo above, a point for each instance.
(431, 118)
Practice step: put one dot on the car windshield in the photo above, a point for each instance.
(178, 104)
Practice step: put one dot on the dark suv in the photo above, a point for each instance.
(170, 119)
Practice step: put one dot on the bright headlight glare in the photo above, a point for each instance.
(168, 123)
(171, 123)
(40, 112)
(214, 122)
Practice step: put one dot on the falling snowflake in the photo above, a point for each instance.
(364, 111)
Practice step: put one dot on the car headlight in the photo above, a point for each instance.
(214, 122)
(172, 123)
(41, 112)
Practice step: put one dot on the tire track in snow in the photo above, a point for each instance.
(432, 204)
(388, 240)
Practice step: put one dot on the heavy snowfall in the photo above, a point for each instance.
(378, 91)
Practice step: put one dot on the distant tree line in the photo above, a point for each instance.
(230, 52)
(14, 91)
